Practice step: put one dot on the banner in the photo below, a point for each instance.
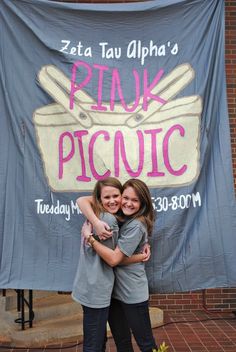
(131, 90)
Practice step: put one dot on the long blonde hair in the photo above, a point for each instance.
(146, 211)
(110, 182)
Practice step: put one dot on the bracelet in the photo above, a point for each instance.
(91, 240)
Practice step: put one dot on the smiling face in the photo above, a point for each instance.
(130, 203)
(111, 199)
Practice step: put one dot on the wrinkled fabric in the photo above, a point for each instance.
(126, 90)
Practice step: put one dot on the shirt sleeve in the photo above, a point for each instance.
(110, 220)
(129, 239)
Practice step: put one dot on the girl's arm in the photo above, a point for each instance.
(102, 229)
(110, 256)
(114, 257)
(140, 257)
(135, 258)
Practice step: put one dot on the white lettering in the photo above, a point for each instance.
(64, 48)
(75, 50)
(136, 50)
(57, 209)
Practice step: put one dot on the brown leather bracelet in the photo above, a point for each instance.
(91, 240)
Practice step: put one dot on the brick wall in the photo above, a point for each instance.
(219, 299)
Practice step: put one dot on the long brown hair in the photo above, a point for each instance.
(146, 211)
(110, 182)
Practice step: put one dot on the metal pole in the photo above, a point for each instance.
(31, 308)
(22, 309)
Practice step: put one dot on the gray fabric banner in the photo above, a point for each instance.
(125, 90)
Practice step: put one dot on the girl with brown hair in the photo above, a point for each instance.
(130, 294)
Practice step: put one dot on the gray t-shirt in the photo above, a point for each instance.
(131, 285)
(94, 279)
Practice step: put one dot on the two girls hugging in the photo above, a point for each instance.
(111, 282)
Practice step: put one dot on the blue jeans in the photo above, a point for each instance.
(94, 326)
(136, 317)
(119, 327)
